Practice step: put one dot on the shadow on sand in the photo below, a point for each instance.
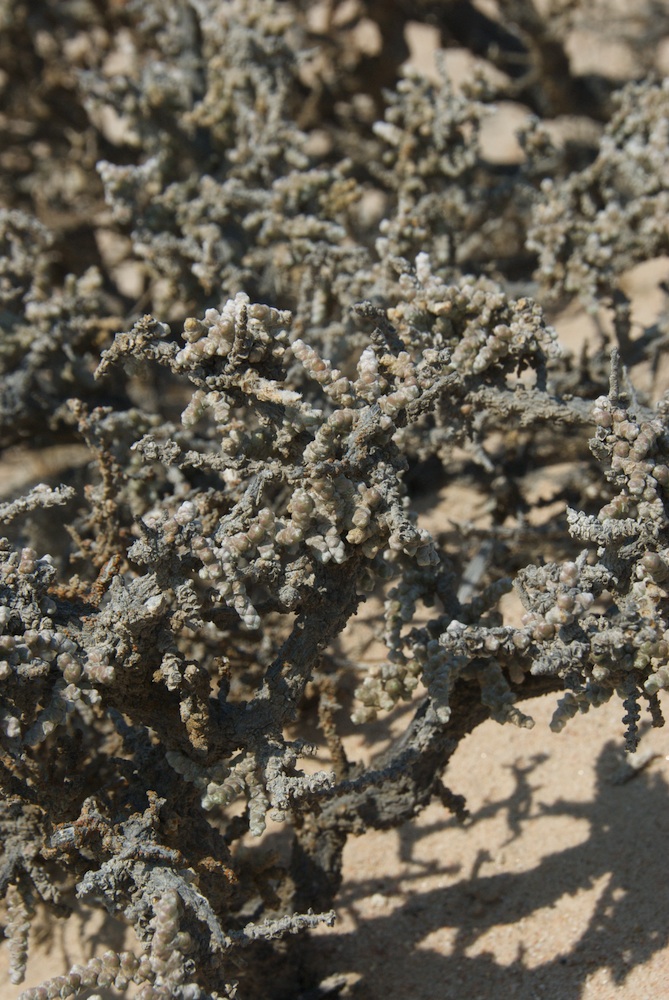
(625, 848)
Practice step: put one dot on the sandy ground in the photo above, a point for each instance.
(556, 886)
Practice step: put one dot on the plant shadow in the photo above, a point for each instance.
(621, 857)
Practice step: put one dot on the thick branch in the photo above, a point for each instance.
(401, 783)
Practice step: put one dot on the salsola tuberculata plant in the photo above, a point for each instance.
(262, 285)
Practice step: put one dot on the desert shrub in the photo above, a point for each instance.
(272, 287)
